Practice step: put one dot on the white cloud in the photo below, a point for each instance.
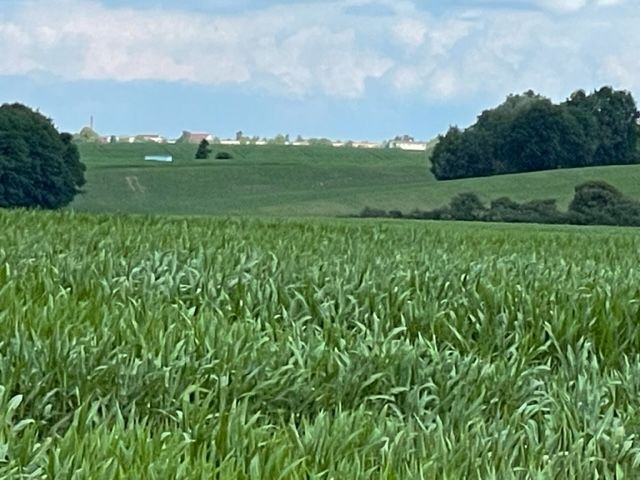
(277, 47)
(575, 5)
(497, 51)
(563, 5)
(410, 32)
(304, 49)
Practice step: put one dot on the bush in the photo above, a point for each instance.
(368, 212)
(39, 167)
(467, 206)
(223, 156)
(599, 203)
(594, 203)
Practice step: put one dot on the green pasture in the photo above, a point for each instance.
(301, 181)
(199, 348)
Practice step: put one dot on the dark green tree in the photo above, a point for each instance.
(71, 157)
(203, 150)
(616, 133)
(39, 167)
(528, 132)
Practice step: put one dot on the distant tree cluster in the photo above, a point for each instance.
(39, 167)
(529, 133)
(204, 151)
(594, 203)
(324, 142)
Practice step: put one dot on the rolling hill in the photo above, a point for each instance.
(301, 181)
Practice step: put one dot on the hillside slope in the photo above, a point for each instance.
(302, 181)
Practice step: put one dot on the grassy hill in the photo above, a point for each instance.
(301, 181)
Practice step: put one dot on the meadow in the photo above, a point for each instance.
(278, 181)
(149, 347)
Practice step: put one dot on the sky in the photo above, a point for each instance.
(343, 69)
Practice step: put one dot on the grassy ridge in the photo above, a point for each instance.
(140, 347)
(302, 181)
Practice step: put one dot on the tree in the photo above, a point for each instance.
(528, 132)
(203, 150)
(616, 132)
(39, 167)
(279, 139)
(71, 157)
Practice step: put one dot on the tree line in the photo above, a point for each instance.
(594, 203)
(529, 133)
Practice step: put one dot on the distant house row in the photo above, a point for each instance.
(402, 143)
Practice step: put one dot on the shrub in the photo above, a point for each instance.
(368, 212)
(223, 156)
(599, 203)
(467, 206)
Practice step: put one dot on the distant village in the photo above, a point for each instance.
(404, 142)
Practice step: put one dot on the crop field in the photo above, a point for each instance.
(142, 347)
(302, 181)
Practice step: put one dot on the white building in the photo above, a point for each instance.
(411, 146)
(366, 145)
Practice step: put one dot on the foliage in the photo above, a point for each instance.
(529, 133)
(223, 156)
(138, 347)
(39, 167)
(598, 202)
(87, 135)
(368, 212)
(533, 211)
(466, 206)
(203, 151)
(322, 142)
(594, 203)
(279, 139)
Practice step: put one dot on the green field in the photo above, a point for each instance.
(302, 181)
(143, 347)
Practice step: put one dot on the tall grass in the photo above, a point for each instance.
(137, 347)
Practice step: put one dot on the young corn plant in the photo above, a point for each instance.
(141, 347)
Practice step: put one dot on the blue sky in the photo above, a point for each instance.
(357, 69)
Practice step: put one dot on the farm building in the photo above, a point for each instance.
(411, 146)
(150, 137)
(230, 142)
(191, 137)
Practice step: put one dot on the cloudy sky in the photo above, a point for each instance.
(359, 69)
